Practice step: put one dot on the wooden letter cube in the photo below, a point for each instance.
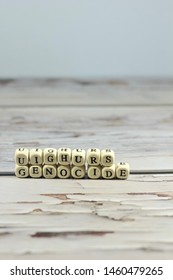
(64, 156)
(49, 171)
(22, 156)
(35, 171)
(21, 171)
(78, 172)
(94, 172)
(78, 157)
(107, 157)
(108, 172)
(36, 156)
(122, 170)
(93, 156)
(50, 156)
(63, 172)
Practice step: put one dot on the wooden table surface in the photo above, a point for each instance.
(88, 219)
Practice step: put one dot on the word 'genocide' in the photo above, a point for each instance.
(66, 163)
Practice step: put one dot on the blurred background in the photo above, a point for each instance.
(86, 38)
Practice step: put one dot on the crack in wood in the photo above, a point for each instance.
(70, 233)
(150, 249)
(4, 233)
(61, 196)
(159, 194)
(28, 202)
(122, 219)
(39, 211)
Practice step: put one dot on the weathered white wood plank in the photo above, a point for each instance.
(141, 136)
(64, 92)
(87, 219)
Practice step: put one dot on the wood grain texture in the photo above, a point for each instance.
(88, 219)
(68, 92)
(141, 136)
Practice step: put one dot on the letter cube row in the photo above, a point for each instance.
(119, 171)
(64, 163)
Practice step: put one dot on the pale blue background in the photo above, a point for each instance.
(86, 38)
